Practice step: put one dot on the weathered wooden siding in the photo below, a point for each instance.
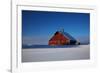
(58, 39)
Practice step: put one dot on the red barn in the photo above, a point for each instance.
(62, 38)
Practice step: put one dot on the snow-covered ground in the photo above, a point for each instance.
(80, 52)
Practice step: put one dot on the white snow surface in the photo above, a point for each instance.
(81, 52)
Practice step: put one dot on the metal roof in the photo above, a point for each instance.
(68, 35)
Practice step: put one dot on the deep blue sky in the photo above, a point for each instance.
(42, 24)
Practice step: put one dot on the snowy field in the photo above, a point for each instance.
(80, 52)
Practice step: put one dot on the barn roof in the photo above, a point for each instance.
(67, 35)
